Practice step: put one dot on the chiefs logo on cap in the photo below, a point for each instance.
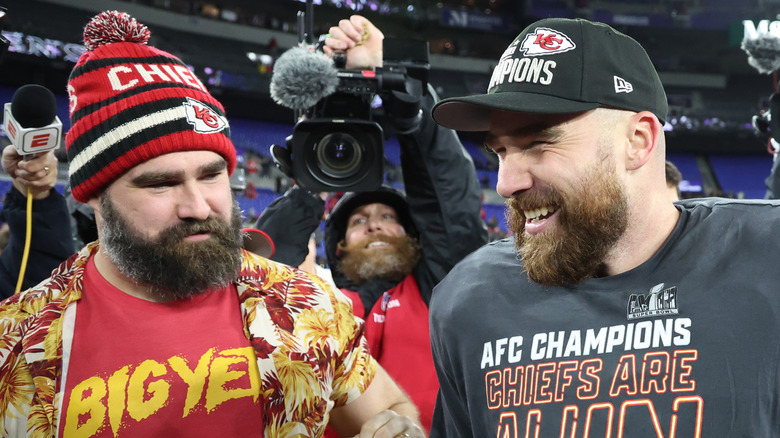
(545, 41)
(203, 118)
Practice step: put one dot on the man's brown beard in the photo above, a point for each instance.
(173, 268)
(590, 222)
(361, 265)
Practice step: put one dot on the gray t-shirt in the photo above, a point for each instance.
(684, 345)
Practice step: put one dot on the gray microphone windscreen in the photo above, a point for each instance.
(301, 77)
(763, 53)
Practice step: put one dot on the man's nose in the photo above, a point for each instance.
(374, 224)
(514, 175)
(192, 203)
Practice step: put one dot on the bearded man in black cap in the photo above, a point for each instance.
(615, 312)
(386, 249)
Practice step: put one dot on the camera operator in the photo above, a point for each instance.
(387, 250)
(51, 242)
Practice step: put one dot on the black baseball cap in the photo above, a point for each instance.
(562, 65)
(336, 224)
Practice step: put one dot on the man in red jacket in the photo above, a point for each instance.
(387, 249)
(372, 241)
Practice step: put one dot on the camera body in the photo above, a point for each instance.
(338, 143)
(337, 155)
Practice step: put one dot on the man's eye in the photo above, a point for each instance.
(536, 143)
(160, 185)
(489, 150)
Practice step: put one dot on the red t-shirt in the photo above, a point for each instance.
(140, 368)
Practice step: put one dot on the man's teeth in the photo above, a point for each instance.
(538, 213)
(374, 244)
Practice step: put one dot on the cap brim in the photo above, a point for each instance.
(472, 113)
(258, 242)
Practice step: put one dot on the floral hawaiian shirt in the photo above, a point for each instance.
(310, 349)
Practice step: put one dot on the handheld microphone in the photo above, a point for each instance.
(30, 120)
(302, 77)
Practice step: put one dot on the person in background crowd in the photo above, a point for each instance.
(165, 326)
(494, 231)
(50, 236)
(386, 250)
(673, 179)
(615, 311)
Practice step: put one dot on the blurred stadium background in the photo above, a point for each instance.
(232, 44)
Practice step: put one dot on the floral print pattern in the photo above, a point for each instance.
(309, 347)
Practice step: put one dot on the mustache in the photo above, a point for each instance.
(210, 225)
(343, 248)
(535, 199)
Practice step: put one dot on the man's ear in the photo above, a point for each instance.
(94, 202)
(341, 248)
(644, 134)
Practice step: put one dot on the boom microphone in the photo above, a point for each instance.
(763, 52)
(30, 120)
(301, 77)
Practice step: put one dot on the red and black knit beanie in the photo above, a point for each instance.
(130, 102)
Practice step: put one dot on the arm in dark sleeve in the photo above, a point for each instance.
(51, 239)
(444, 197)
(289, 222)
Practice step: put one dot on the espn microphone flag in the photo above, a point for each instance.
(30, 120)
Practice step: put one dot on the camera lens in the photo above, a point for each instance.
(339, 155)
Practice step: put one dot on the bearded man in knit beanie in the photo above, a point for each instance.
(165, 326)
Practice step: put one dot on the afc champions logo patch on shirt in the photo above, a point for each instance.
(203, 119)
(545, 41)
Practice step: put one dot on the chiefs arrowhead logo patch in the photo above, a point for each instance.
(203, 118)
(545, 41)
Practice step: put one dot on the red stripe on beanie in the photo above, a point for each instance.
(124, 66)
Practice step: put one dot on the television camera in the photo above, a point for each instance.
(337, 142)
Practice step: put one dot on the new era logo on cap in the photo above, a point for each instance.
(622, 85)
(546, 41)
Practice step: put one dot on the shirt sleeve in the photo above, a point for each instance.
(325, 324)
(354, 367)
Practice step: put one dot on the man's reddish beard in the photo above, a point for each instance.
(590, 222)
(361, 264)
